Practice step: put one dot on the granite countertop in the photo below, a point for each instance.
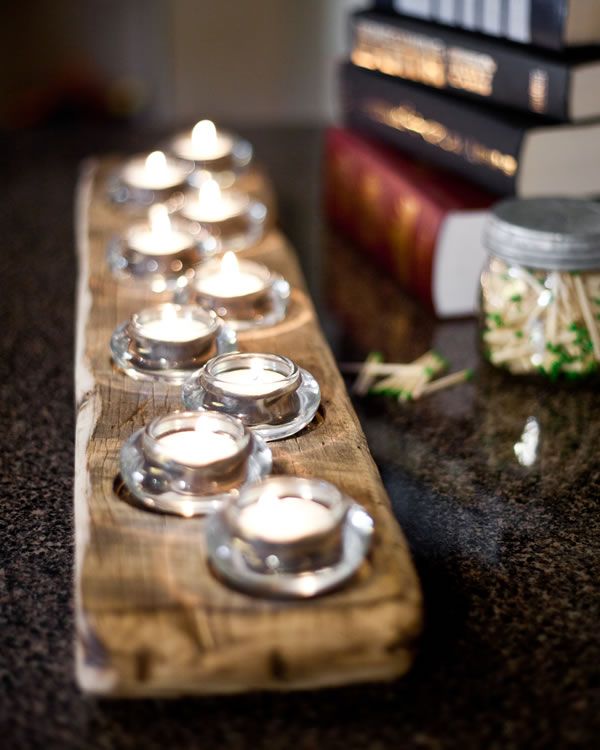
(507, 549)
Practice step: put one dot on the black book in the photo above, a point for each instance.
(505, 151)
(554, 24)
(562, 87)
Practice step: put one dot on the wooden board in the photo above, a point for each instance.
(151, 619)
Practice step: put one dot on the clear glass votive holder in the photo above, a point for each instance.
(189, 464)
(264, 306)
(236, 222)
(169, 341)
(229, 156)
(129, 185)
(268, 392)
(289, 537)
(171, 267)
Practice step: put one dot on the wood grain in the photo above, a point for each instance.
(151, 619)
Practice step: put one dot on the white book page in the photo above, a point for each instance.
(468, 13)
(458, 260)
(446, 12)
(418, 8)
(492, 15)
(519, 20)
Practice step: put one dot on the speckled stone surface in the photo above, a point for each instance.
(508, 554)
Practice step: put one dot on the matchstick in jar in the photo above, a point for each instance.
(540, 301)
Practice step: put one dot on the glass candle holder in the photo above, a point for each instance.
(289, 537)
(234, 218)
(168, 341)
(243, 293)
(146, 179)
(211, 149)
(268, 392)
(190, 464)
(160, 252)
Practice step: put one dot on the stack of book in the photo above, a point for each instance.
(449, 105)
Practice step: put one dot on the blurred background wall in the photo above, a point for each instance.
(171, 61)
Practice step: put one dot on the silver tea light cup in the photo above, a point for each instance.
(189, 463)
(289, 537)
(268, 392)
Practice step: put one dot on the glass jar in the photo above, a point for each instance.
(540, 289)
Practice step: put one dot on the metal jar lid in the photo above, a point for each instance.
(557, 234)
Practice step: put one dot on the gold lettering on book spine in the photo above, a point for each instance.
(406, 118)
(471, 71)
(341, 176)
(370, 217)
(421, 58)
(538, 90)
(399, 53)
(401, 235)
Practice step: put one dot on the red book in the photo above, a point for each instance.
(421, 224)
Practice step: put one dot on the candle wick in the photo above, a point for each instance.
(156, 162)
(204, 133)
(209, 194)
(269, 500)
(229, 268)
(160, 223)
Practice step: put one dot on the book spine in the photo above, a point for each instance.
(456, 135)
(454, 61)
(548, 21)
(539, 22)
(384, 214)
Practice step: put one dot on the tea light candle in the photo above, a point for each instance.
(213, 205)
(154, 172)
(268, 392)
(288, 537)
(165, 342)
(204, 143)
(230, 280)
(192, 463)
(159, 237)
(174, 329)
(198, 447)
(254, 380)
(284, 519)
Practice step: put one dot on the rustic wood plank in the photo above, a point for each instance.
(151, 619)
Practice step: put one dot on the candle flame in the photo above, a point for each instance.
(256, 369)
(209, 194)
(229, 265)
(160, 223)
(306, 494)
(204, 135)
(268, 500)
(202, 431)
(156, 162)
(170, 313)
